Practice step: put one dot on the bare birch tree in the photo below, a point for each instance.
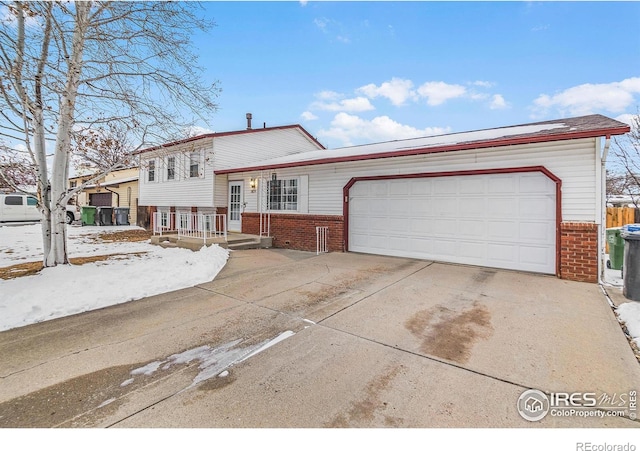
(626, 175)
(69, 66)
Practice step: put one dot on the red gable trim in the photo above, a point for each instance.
(231, 133)
(437, 149)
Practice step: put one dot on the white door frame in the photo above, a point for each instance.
(235, 203)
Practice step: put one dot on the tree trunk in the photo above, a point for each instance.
(60, 170)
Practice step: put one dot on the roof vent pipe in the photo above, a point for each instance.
(249, 121)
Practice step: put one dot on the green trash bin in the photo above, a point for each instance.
(88, 213)
(616, 248)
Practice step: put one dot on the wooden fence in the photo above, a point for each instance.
(619, 216)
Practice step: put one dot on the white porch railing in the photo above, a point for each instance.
(190, 225)
(322, 243)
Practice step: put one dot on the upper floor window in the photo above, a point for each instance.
(194, 164)
(152, 171)
(171, 168)
(283, 194)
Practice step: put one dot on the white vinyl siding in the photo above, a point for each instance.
(216, 153)
(182, 192)
(574, 162)
(251, 148)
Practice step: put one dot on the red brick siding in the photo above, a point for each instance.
(220, 211)
(298, 231)
(579, 251)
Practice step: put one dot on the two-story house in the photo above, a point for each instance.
(179, 177)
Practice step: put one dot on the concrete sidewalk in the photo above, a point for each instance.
(367, 341)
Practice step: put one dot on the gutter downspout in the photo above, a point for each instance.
(603, 209)
(117, 196)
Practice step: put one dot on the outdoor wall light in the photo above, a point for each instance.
(252, 184)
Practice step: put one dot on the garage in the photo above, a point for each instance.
(500, 220)
(100, 199)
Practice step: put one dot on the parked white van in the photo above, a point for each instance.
(17, 207)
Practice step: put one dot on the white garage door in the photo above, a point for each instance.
(495, 220)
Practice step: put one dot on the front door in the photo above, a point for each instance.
(235, 206)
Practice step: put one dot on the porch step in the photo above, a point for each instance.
(237, 244)
(235, 241)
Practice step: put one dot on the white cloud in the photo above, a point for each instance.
(308, 116)
(9, 18)
(398, 90)
(483, 84)
(328, 95)
(343, 39)
(322, 23)
(352, 105)
(586, 98)
(629, 119)
(438, 92)
(196, 130)
(349, 129)
(498, 102)
(303, 2)
(540, 28)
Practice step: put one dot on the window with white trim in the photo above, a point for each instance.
(151, 172)
(283, 194)
(194, 164)
(171, 168)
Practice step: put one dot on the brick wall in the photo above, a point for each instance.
(298, 231)
(579, 251)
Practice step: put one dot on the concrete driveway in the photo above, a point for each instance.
(290, 339)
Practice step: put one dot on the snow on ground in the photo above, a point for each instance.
(70, 289)
(213, 361)
(629, 312)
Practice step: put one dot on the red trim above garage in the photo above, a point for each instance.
(501, 142)
(542, 169)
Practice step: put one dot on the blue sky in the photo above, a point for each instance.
(359, 72)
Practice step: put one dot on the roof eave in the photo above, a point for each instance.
(230, 133)
(438, 149)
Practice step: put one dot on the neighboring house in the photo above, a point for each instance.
(179, 177)
(116, 189)
(630, 200)
(527, 197)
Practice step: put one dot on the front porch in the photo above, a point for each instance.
(233, 241)
(195, 230)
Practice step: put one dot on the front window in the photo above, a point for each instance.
(194, 164)
(283, 195)
(171, 168)
(32, 201)
(152, 170)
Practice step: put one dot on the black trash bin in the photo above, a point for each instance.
(121, 215)
(103, 216)
(631, 275)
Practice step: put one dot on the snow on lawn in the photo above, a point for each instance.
(69, 289)
(629, 313)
